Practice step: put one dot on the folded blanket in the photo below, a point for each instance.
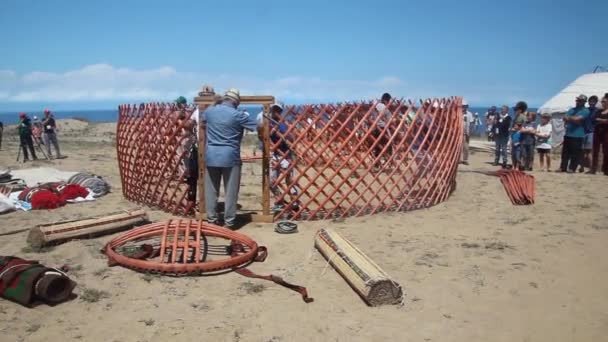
(27, 281)
(90, 181)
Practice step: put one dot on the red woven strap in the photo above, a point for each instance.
(277, 280)
(261, 256)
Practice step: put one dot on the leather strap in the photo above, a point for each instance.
(277, 280)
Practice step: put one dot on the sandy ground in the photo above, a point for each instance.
(474, 268)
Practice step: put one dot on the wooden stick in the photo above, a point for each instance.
(46, 234)
(360, 272)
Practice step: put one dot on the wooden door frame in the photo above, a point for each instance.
(203, 101)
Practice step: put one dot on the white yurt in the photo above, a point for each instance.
(595, 83)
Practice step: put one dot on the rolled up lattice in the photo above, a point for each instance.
(359, 271)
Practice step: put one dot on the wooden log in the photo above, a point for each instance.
(360, 272)
(54, 233)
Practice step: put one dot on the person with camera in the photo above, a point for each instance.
(25, 136)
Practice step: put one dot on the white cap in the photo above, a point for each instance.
(233, 94)
(278, 104)
(35, 117)
(464, 102)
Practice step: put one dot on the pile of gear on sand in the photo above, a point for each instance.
(47, 188)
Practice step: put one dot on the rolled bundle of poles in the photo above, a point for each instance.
(519, 185)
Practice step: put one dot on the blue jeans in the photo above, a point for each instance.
(527, 156)
(501, 150)
(516, 154)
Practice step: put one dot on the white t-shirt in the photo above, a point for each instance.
(545, 130)
(383, 113)
(468, 119)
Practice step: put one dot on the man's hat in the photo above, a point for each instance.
(46, 111)
(233, 94)
(22, 115)
(582, 97)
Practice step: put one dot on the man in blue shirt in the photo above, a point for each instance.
(224, 124)
(572, 149)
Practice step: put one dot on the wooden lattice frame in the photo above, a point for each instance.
(151, 142)
(339, 164)
(337, 174)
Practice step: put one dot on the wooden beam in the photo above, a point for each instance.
(202, 139)
(256, 217)
(53, 233)
(209, 99)
(266, 164)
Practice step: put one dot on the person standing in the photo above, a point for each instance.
(600, 138)
(383, 115)
(516, 146)
(25, 136)
(37, 131)
(527, 141)
(521, 113)
(468, 119)
(572, 150)
(188, 149)
(501, 136)
(50, 137)
(543, 141)
(491, 118)
(589, 127)
(282, 157)
(224, 124)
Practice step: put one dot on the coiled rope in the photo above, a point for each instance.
(286, 227)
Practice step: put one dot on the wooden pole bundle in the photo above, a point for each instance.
(359, 271)
(46, 234)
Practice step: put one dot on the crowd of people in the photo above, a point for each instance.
(586, 133)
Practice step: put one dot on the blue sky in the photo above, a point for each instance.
(97, 54)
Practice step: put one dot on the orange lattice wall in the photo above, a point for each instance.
(150, 146)
(340, 160)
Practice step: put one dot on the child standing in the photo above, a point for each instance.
(527, 141)
(515, 146)
(543, 141)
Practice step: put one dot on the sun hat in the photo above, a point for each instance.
(464, 102)
(582, 97)
(22, 115)
(278, 105)
(233, 94)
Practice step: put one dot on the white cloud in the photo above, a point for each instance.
(104, 82)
